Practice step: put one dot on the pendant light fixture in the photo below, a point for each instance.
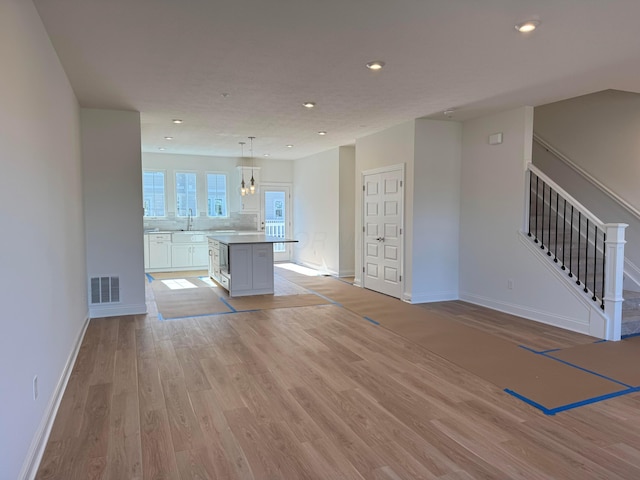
(252, 187)
(243, 189)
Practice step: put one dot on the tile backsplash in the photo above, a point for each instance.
(236, 221)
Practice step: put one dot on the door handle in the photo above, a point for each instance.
(380, 239)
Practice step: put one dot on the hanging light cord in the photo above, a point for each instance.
(252, 183)
(243, 190)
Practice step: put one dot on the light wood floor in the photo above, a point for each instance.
(317, 393)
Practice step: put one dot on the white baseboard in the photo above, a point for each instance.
(431, 297)
(39, 442)
(99, 311)
(528, 313)
(347, 273)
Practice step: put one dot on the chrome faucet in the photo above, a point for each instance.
(189, 220)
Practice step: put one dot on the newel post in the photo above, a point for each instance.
(614, 271)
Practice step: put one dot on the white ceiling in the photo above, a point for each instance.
(175, 58)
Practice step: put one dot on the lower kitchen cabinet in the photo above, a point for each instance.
(251, 268)
(189, 255)
(162, 254)
(146, 251)
(159, 251)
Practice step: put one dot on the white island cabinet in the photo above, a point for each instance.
(249, 270)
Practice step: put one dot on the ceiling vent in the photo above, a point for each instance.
(105, 290)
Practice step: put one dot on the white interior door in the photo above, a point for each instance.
(275, 217)
(382, 208)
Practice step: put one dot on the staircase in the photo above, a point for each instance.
(569, 238)
(576, 241)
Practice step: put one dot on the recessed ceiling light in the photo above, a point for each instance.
(176, 121)
(449, 112)
(289, 146)
(309, 104)
(225, 95)
(265, 155)
(322, 132)
(528, 26)
(168, 138)
(375, 65)
(160, 148)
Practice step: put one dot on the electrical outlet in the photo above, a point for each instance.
(35, 387)
(510, 284)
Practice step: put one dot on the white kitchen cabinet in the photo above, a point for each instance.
(214, 260)
(181, 255)
(241, 274)
(249, 203)
(145, 243)
(189, 255)
(251, 269)
(200, 255)
(160, 250)
(262, 266)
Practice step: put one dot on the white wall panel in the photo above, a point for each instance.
(43, 290)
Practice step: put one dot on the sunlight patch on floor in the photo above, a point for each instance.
(309, 272)
(179, 284)
(208, 281)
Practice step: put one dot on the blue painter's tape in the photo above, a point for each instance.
(596, 399)
(546, 352)
(544, 409)
(149, 277)
(227, 304)
(631, 335)
(160, 317)
(602, 341)
(570, 406)
(587, 370)
(539, 352)
(530, 349)
(371, 320)
(326, 298)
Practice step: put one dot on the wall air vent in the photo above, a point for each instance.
(105, 290)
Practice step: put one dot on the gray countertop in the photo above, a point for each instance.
(254, 238)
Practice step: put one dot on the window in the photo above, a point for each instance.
(186, 202)
(216, 195)
(153, 193)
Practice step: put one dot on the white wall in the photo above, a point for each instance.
(42, 286)
(492, 251)
(393, 146)
(599, 132)
(112, 179)
(347, 207)
(316, 211)
(436, 211)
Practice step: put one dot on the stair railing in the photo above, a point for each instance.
(590, 251)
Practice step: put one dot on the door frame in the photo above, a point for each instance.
(288, 212)
(374, 171)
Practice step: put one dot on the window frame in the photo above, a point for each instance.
(226, 192)
(175, 188)
(164, 193)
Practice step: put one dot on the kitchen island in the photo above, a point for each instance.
(243, 264)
